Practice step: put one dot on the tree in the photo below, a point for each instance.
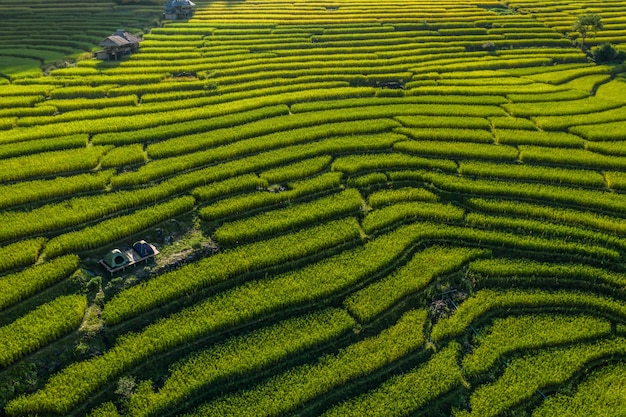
(586, 23)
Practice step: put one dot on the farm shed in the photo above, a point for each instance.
(117, 45)
(179, 9)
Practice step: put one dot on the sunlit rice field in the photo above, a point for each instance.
(362, 208)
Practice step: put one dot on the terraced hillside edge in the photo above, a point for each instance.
(387, 208)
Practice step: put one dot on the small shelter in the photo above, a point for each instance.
(179, 9)
(116, 259)
(117, 45)
(144, 249)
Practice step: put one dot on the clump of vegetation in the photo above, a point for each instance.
(607, 54)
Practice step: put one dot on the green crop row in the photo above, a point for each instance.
(26, 112)
(263, 160)
(252, 138)
(535, 137)
(560, 77)
(92, 103)
(490, 63)
(410, 211)
(32, 133)
(367, 180)
(79, 210)
(590, 83)
(50, 163)
(26, 90)
(520, 333)
(154, 55)
(160, 87)
(190, 130)
(524, 376)
(612, 90)
(7, 122)
(453, 80)
(566, 95)
(532, 173)
(381, 161)
(317, 68)
(236, 205)
(408, 392)
(218, 189)
(486, 90)
(296, 170)
(124, 155)
(226, 265)
(40, 326)
(262, 86)
(564, 108)
(469, 122)
(425, 266)
(37, 190)
(485, 301)
(237, 357)
(392, 107)
(459, 150)
(616, 180)
(503, 270)
(19, 101)
(598, 395)
(290, 218)
(111, 230)
(290, 390)
(81, 91)
(447, 134)
(20, 285)
(388, 197)
(413, 95)
(542, 228)
(43, 145)
(575, 157)
(120, 119)
(430, 231)
(448, 107)
(562, 215)
(611, 148)
(98, 80)
(563, 122)
(175, 95)
(601, 132)
(19, 254)
(582, 198)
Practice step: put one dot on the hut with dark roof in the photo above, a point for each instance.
(179, 9)
(117, 45)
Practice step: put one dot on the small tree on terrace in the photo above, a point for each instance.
(586, 23)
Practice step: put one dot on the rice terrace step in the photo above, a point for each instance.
(349, 208)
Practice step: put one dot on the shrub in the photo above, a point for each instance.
(607, 54)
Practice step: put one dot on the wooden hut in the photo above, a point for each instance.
(117, 45)
(179, 9)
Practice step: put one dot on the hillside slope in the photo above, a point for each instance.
(363, 208)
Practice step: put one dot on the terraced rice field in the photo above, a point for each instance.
(386, 208)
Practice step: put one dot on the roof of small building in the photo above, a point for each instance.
(120, 38)
(172, 4)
